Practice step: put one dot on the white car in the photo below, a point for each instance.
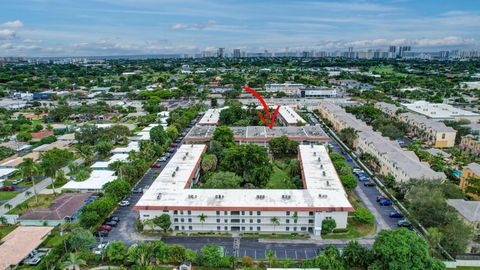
(357, 170)
(124, 203)
(100, 248)
(17, 181)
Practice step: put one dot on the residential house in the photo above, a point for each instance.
(470, 171)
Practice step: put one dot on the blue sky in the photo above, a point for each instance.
(116, 27)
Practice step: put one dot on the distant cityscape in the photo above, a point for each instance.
(392, 52)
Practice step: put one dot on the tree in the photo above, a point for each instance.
(221, 180)
(329, 259)
(456, 236)
(224, 135)
(24, 136)
(163, 222)
(80, 239)
(172, 132)
(283, 146)
(28, 169)
(401, 249)
(103, 148)
(177, 254)
(328, 225)
(348, 135)
(52, 161)
(270, 255)
(364, 216)
(141, 254)
(211, 256)
(355, 255)
(202, 217)
(209, 162)
(117, 188)
(275, 222)
(116, 251)
(73, 262)
(158, 135)
(349, 182)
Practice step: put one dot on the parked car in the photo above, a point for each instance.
(385, 202)
(17, 181)
(111, 223)
(357, 170)
(101, 233)
(113, 218)
(369, 184)
(101, 247)
(349, 159)
(162, 159)
(8, 188)
(33, 261)
(104, 228)
(124, 203)
(137, 190)
(156, 166)
(395, 214)
(363, 178)
(404, 223)
(378, 198)
(168, 155)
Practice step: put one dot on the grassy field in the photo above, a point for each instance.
(44, 201)
(4, 230)
(279, 179)
(355, 230)
(7, 195)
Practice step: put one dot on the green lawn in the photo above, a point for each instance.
(355, 230)
(7, 195)
(44, 201)
(4, 230)
(280, 178)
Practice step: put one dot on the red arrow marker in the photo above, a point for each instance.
(265, 108)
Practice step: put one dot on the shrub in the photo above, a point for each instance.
(364, 216)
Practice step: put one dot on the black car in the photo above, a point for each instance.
(113, 218)
(137, 190)
(369, 184)
(111, 223)
(101, 233)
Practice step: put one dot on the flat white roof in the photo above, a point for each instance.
(5, 172)
(104, 164)
(438, 110)
(290, 116)
(97, 179)
(211, 117)
(132, 146)
(321, 193)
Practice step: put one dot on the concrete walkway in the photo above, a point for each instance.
(40, 186)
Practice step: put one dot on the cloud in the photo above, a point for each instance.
(13, 24)
(194, 26)
(7, 34)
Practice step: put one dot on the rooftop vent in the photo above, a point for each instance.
(311, 145)
(286, 197)
(324, 173)
(322, 196)
(192, 196)
(321, 166)
(186, 154)
(184, 157)
(219, 196)
(319, 159)
(173, 174)
(328, 183)
(191, 145)
(159, 196)
(260, 197)
(177, 168)
(314, 153)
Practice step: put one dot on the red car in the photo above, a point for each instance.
(379, 198)
(155, 166)
(8, 188)
(104, 228)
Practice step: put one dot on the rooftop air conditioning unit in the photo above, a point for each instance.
(159, 196)
(314, 153)
(177, 168)
(260, 197)
(173, 174)
(324, 173)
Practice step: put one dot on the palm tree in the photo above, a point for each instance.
(7, 206)
(141, 254)
(73, 262)
(50, 170)
(202, 218)
(28, 169)
(28, 194)
(295, 216)
(275, 221)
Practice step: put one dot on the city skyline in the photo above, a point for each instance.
(36, 28)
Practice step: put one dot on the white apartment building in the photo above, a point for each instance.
(393, 160)
(247, 210)
(287, 88)
(289, 117)
(211, 117)
(435, 133)
(441, 111)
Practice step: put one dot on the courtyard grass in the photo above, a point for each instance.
(279, 179)
(7, 195)
(44, 201)
(355, 229)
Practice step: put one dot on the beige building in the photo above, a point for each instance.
(469, 211)
(435, 133)
(392, 159)
(472, 170)
(470, 145)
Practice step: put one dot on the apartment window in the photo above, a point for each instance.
(176, 228)
(288, 213)
(258, 221)
(181, 212)
(226, 213)
(258, 228)
(295, 221)
(175, 220)
(243, 228)
(251, 220)
(443, 135)
(294, 229)
(175, 212)
(190, 228)
(189, 220)
(243, 220)
(303, 229)
(259, 213)
(287, 220)
(287, 228)
(310, 221)
(310, 213)
(219, 228)
(165, 211)
(251, 213)
(218, 220)
(183, 227)
(189, 212)
(226, 220)
(182, 220)
(226, 228)
(243, 213)
(328, 217)
(218, 213)
(251, 228)
(146, 215)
